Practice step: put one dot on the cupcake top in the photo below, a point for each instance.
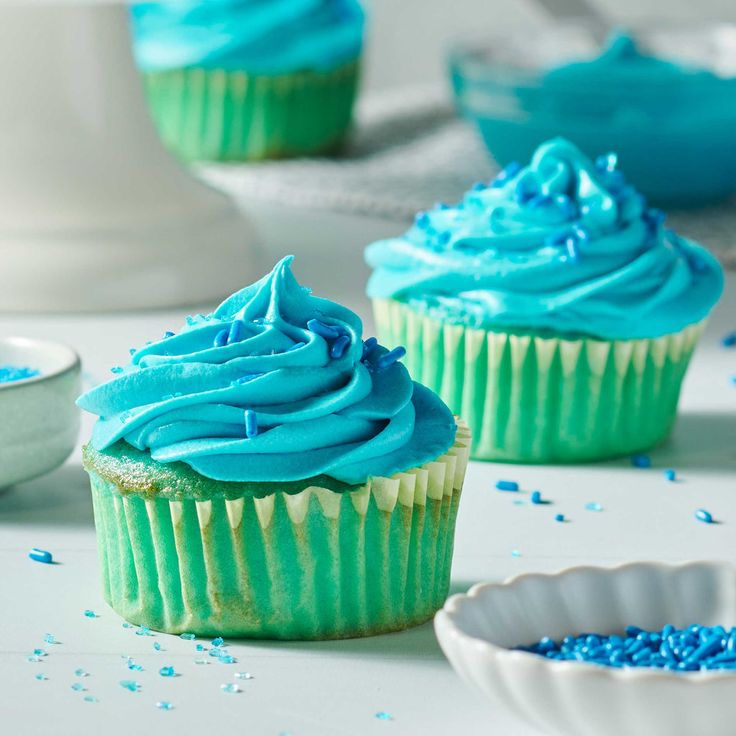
(275, 385)
(258, 36)
(563, 245)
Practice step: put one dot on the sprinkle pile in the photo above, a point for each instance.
(690, 649)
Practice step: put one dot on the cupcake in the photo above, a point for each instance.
(551, 308)
(233, 80)
(267, 473)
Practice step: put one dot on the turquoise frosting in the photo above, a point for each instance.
(257, 36)
(564, 245)
(276, 385)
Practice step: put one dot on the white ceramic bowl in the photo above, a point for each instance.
(39, 421)
(477, 632)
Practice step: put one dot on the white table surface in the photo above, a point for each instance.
(336, 688)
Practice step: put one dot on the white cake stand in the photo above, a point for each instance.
(94, 213)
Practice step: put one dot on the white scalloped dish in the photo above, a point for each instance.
(478, 632)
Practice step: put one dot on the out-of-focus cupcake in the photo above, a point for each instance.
(551, 308)
(234, 80)
(267, 473)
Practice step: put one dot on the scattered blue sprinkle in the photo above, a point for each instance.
(164, 705)
(705, 516)
(187, 637)
(296, 346)
(41, 676)
(131, 685)
(515, 553)
(201, 648)
(40, 653)
(133, 665)
(157, 646)
(689, 649)
(167, 672)
(507, 485)
(218, 641)
(251, 424)
(10, 373)
(559, 517)
(338, 348)
(49, 639)
(41, 555)
(32, 658)
(536, 497)
(116, 369)
(391, 357)
(507, 173)
(729, 340)
(593, 506)
(168, 334)
(90, 613)
(227, 659)
(201, 661)
(81, 673)
(132, 351)
(143, 631)
(90, 699)
(329, 332)
(383, 716)
(229, 687)
(670, 475)
(220, 339)
(78, 687)
(217, 652)
(243, 675)
(126, 625)
(641, 461)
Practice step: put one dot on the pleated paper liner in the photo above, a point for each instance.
(317, 564)
(220, 115)
(540, 399)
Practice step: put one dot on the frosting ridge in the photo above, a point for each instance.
(274, 385)
(563, 244)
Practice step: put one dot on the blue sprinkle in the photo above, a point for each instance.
(33, 658)
(90, 614)
(41, 676)
(593, 506)
(515, 553)
(78, 687)
(368, 345)
(49, 639)
(506, 174)
(217, 641)
(422, 220)
(654, 218)
(295, 346)
(131, 685)
(40, 653)
(389, 358)
(536, 497)
(670, 475)
(251, 424)
(168, 334)
(164, 705)
(217, 652)
(243, 676)
(383, 716)
(133, 665)
(641, 461)
(90, 699)
(187, 637)
(559, 517)
(247, 378)
(116, 369)
(81, 673)
(221, 339)
(200, 648)
(143, 631)
(157, 646)
(338, 348)
(235, 334)
(705, 516)
(507, 485)
(479, 186)
(227, 659)
(167, 672)
(444, 237)
(41, 555)
(729, 340)
(329, 332)
(132, 351)
(230, 687)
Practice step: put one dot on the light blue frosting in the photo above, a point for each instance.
(257, 36)
(563, 245)
(256, 391)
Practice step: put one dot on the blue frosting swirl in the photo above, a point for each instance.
(257, 36)
(276, 385)
(563, 245)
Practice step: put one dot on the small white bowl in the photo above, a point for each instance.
(39, 422)
(478, 631)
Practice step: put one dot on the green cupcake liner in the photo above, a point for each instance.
(221, 115)
(316, 564)
(535, 398)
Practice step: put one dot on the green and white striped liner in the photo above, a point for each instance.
(221, 115)
(539, 399)
(311, 565)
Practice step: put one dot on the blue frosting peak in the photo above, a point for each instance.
(564, 244)
(257, 36)
(275, 385)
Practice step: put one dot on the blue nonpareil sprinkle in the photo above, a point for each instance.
(41, 555)
(220, 339)
(79, 672)
(167, 672)
(329, 332)
(131, 685)
(705, 516)
(187, 637)
(507, 485)
(235, 333)
(383, 716)
(78, 687)
(89, 613)
(251, 424)
(229, 687)
(338, 348)
(391, 357)
(536, 497)
(164, 705)
(593, 506)
(670, 475)
(559, 517)
(218, 641)
(729, 340)
(641, 461)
